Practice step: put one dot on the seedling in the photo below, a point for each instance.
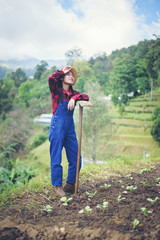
(145, 211)
(158, 179)
(125, 192)
(129, 176)
(46, 208)
(86, 209)
(131, 188)
(143, 182)
(105, 186)
(65, 200)
(120, 181)
(152, 200)
(104, 205)
(119, 198)
(135, 223)
(91, 195)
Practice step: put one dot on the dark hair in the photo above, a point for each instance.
(60, 91)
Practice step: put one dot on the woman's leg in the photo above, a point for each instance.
(71, 146)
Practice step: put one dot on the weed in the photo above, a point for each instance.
(86, 209)
(65, 200)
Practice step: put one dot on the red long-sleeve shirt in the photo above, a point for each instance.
(53, 85)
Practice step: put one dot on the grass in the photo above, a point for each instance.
(121, 153)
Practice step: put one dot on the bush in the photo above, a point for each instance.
(40, 139)
(17, 175)
(156, 113)
(155, 130)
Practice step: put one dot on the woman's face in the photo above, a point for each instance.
(69, 78)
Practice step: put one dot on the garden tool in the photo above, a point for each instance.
(81, 105)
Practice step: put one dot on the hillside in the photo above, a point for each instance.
(123, 193)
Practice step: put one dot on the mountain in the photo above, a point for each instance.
(27, 64)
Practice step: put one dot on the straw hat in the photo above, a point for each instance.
(66, 69)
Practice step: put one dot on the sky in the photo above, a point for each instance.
(47, 29)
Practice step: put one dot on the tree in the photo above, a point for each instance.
(19, 77)
(94, 120)
(72, 55)
(153, 64)
(122, 78)
(85, 73)
(40, 68)
(142, 78)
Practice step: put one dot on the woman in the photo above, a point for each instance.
(62, 129)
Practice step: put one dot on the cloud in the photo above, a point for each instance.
(45, 30)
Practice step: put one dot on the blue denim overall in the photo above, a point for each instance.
(62, 134)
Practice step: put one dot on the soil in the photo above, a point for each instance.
(25, 219)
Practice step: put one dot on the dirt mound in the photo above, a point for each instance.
(120, 208)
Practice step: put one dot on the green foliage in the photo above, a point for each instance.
(155, 130)
(41, 138)
(156, 113)
(95, 118)
(46, 208)
(19, 76)
(40, 68)
(85, 73)
(16, 175)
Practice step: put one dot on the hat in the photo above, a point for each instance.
(66, 69)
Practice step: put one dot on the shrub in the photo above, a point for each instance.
(41, 138)
(155, 130)
(156, 113)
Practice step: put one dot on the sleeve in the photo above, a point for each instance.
(53, 80)
(80, 96)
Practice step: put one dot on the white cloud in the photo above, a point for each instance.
(45, 30)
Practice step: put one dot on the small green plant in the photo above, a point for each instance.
(145, 211)
(91, 195)
(104, 205)
(143, 182)
(157, 180)
(135, 223)
(131, 188)
(120, 181)
(152, 200)
(129, 176)
(119, 198)
(105, 186)
(65, 200)
(46, 208)
(125, 192)
(86, 209)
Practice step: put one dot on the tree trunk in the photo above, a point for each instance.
(152, 89)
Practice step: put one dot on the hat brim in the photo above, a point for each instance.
(73, 70)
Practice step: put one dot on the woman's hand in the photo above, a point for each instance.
(71, 104)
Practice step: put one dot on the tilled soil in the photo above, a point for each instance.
(126, 195)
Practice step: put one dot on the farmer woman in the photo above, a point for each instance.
(62, 130)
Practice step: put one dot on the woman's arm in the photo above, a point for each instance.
(53, 80)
